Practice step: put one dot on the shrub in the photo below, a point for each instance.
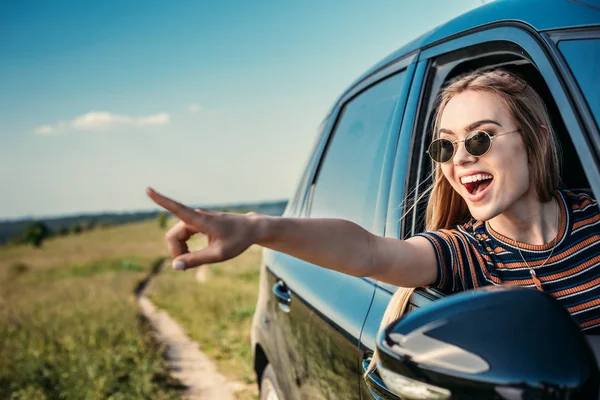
(162, 220)
(77, 229)
(36, 232)
(18, 268)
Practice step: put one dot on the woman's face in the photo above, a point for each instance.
(498, 180)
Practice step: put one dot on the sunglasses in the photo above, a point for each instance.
(477, 143)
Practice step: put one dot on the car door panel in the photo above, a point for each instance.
(317, 338)
(318, 331)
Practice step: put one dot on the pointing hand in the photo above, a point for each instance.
(228, 234)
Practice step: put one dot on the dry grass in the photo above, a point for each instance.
(69, 327)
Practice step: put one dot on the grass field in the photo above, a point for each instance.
(70, 326)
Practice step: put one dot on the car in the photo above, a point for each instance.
(315, 330)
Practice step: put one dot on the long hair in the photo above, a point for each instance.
(445, 207)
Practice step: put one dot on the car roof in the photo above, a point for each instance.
(541, 15)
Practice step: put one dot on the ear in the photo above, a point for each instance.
(545, 130)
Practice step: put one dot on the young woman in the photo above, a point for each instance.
(495, 213)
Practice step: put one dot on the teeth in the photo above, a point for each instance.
(475, 178)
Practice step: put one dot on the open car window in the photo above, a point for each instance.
(508, 56)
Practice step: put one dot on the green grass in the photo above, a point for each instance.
(25, 276)
(71, 329)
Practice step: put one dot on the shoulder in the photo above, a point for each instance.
(580, 200)
(471, 227)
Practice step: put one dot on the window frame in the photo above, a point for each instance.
(552, 39)
(297, 206)
(404, 64)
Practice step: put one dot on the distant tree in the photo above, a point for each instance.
(62, 231)
(224, 209)
(36, 232)
(76, 229)
(162, 220)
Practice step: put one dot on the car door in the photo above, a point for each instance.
(318, 327)
(533, 55)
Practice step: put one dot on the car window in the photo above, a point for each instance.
(583, 57)
(531, 64)
(348, 180)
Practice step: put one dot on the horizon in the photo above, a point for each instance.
(138, 211)
(208, 103)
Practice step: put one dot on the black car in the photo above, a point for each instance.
(315, 330)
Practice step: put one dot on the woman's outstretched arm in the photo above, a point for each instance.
(346, 247)
(335, 244)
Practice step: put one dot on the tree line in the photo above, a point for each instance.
(36, 232)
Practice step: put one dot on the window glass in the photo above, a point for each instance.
(295, 205)
(583, 57)
(348, 180)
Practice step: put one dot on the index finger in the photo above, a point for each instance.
(181, 211)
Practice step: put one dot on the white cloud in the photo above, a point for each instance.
(45, 130)
(193, 108)
(157, 119)
(102, 120)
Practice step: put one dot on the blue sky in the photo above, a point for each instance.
(207, 101)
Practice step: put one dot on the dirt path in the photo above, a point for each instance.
(186, 362)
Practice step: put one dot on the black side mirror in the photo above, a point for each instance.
(494, 343)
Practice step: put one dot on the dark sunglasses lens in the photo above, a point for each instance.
(441, 150)
(478, 143)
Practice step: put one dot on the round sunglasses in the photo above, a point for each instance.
(477, 143)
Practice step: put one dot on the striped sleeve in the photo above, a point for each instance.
(452, 251)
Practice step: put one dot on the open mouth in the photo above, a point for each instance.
(476, 183)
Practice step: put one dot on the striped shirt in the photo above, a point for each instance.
(474, 255)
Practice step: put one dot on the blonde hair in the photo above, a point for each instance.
(445, 207)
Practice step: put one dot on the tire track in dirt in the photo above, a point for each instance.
(185, 361)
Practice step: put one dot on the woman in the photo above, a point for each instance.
(494, 216)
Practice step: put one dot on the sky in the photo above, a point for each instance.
(209, 102)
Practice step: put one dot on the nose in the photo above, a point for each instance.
(461, 155)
